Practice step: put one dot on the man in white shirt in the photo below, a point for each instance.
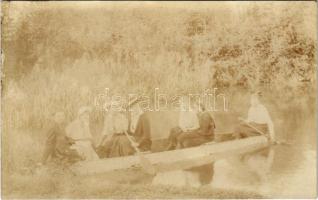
(188, 121)
(205, 131)
(258, 121)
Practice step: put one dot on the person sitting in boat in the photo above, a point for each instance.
(139, 125)
(57, 146)
(114, 141)
(79, 131)
(258, 121)
(201, 131)
(188, 122)
(205, 132)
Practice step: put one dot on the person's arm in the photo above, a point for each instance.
(46, 154)
(49, 145)
(270, 125)
(143, 126)
(271, 129)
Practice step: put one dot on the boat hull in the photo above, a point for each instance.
(176, 159)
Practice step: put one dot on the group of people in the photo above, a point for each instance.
(124, 131)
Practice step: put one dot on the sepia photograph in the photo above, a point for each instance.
(158, 99)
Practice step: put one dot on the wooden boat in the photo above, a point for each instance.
(176, 159)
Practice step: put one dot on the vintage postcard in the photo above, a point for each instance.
(148, 100)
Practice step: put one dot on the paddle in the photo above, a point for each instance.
(144, 162)
(262, 133)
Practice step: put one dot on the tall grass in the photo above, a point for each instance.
(61, 68)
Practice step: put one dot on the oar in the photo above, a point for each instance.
(144, 162)
(248, 124)
(262, 133)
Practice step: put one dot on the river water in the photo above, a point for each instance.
(288, 171)
(280, 174)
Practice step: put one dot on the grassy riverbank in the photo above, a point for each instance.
(66, 186)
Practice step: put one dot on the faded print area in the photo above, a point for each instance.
(158, 99)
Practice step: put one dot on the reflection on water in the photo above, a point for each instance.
(276, 172)
(298, 178)
(179, 178)
(249, 172)
(285, 171)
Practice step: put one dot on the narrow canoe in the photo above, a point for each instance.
(176, 159)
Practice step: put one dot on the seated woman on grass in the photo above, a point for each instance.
(58, 145)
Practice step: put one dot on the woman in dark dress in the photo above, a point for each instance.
(114, 142)
(139, 126)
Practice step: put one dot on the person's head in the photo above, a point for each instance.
(59, 117)
(83, 113)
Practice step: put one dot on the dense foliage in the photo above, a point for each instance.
(60, 57)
